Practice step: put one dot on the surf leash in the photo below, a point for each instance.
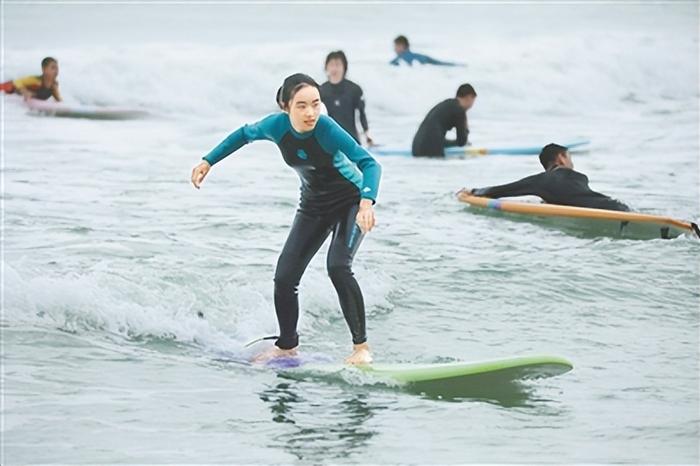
(258, 340)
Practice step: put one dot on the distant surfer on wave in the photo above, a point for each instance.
(404, 54)
(558, 184)
(339, 184)
(37, 87)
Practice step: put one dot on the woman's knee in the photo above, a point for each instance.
(286, 276)
(339, 272)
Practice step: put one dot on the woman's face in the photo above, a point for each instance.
(335, 71)
(304, 109)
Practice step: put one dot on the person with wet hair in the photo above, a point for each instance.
(343, 98)
(339, 185)
(558, 184)
(429, 140)
(40, 87)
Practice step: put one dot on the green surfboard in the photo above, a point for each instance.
(469, 379)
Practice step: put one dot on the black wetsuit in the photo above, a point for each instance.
(558, 185)
(335, 173)
(429, 140)
(342, 100)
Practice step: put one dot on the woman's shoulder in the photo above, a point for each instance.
(276, 119)
(272, 126)
(353, 86)
(326, 129)
(327, 125)
(325, 122)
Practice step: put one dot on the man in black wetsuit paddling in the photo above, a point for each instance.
(343, 97)
(558, 184)
(429, 140)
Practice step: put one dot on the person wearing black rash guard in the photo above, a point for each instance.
(343, 97)
(339, 184)
(429, 140)
(558, 184)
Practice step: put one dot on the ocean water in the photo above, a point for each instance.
(109, 253)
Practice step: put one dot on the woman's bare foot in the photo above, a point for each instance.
(272, 353)
(360, 355)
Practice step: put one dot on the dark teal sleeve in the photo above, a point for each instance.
(333, 138)
(269, 128)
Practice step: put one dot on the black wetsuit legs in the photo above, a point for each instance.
(307, 234)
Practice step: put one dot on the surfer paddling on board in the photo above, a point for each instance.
(404, 53)
(429, 140)
(37, 87)
(339, 184)
(343, 98)
(558, 184)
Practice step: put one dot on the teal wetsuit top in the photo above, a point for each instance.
(335, 171)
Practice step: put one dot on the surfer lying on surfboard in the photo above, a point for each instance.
(37, 87)
(339, 183)
(404, 54)
(558, 184)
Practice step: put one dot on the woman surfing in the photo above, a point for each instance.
(339, 184)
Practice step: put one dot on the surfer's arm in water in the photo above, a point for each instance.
(264, 129)
(529, 186)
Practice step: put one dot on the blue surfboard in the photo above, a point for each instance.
(473, 151)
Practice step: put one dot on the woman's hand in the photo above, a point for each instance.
(360, 355)
(365, 216)
(199, 172)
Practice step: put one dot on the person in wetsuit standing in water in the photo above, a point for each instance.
(558, 184)
(342, 97)
(339, 184)
(429, 140)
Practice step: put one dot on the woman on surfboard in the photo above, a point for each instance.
(339, 183)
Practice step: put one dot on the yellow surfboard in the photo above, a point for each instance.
(605, 222)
